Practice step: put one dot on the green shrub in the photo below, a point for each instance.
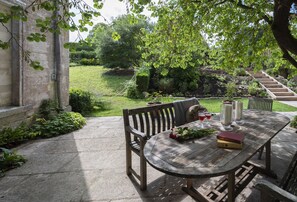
(166, 85)
(64, 122)
(76, 56)
(48, 109)
(10, 136)
(131, 90)
(183, 87)
(86, 61)
(239, 72)
(231, 90)
(142, 82)
(294, 122)
(9, 160)
(80, 101)
(292, 83)
(254, 89)
(99, 105)
(193, 85)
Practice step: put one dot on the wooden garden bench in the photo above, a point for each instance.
(287, 190)
(142, 123)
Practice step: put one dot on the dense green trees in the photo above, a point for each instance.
(250, 33)
(117, 44)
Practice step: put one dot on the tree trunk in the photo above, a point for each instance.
(281, 31)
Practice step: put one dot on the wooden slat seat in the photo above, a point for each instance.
(287, 190)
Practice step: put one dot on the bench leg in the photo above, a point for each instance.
(143, 173)
(128, 160)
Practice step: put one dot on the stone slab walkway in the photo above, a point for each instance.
(89, 165)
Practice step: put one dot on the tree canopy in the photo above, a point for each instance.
(253, 33)
(117, 43)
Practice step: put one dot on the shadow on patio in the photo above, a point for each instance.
(89, 165)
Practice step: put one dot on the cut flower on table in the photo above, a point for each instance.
(185, 133)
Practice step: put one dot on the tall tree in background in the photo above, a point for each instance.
(117, 43)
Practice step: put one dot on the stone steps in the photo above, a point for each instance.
(286, 98)
(278, 90)
(274, 88)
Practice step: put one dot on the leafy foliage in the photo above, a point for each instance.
(80, 101)
(188, 133)
(85, 102)
(238, 33)
(142, 80)
(9, 160)
(61, 14)
(64, 122)
(117, 44)
(131, 90)
(83, 53)
(49, 121)
(15, 136)
(294, 122)
(231, 90)
(254, 89)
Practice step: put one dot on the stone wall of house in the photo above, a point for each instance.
(5, 66)
(32, 85)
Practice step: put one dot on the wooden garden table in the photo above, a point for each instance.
(201, 158)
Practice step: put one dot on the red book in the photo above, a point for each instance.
(231, 136)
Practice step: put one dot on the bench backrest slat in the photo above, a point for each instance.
(163, 120)
(141, 122)
(147, 120)
(152, 119)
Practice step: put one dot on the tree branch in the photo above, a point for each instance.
(288, 57)
(222, 2)
(242, 5)
(281, 32)
(267, 19)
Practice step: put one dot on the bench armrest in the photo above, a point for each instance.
(270, 189)
(136, 132)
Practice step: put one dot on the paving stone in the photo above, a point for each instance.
(90, 165)
(43, 163)
(70, 186)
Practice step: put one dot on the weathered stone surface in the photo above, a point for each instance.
(24, 85)
(89, 165)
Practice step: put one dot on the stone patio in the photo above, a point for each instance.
(89, 165)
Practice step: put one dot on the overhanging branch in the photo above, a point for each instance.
(288, 57)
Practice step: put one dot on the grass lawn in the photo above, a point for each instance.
(110, 88)
(118, 103)
(96, 80)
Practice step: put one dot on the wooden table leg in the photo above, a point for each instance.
(231, 187)
(268, 170)
(268, 157)
(189, 189)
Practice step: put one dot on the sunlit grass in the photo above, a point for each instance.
(118, 103)
(95, 80)
(110, 89)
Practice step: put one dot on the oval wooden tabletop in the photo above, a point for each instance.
(202, 158)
